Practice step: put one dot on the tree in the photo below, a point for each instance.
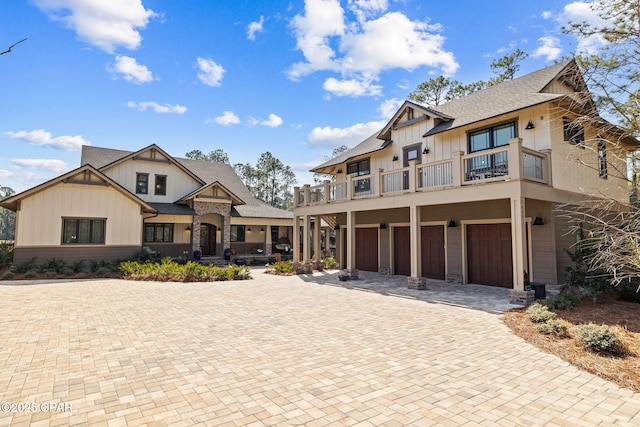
(218, 155)
(7, 217)
(319, 177)
(434, 91)
(270, 180)
(613, 74)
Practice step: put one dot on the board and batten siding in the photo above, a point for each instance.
(179, 183)
(40, 215)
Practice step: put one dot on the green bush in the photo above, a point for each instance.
(6, 254)
(562, 301)
(77, 266)
(539, 313)
(553, 327)
(30, 274)
(168, 270)
(23, 267)
(598, 338)
(52, 265)
(8, 275)
(329, 263)
(283, 267)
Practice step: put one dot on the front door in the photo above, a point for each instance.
(402, 251)
(208, 239)
(367, 249)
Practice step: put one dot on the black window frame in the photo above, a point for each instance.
(73, 232)
(142, 185)
(357, 168)
(166, 228)
(160, 189)
(602, 158)
(238, 233)
(573, 132)
(491, 134)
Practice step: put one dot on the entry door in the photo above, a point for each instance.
(208, 239)
(367, 249)
(489, 260)
(433, 256)
(402, 251)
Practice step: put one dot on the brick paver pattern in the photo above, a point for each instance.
(279, 351)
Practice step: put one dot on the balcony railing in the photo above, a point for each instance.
(511, 162)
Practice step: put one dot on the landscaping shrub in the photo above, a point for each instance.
(582, 277)
(628, 291)
(52, 265)
(598, 338)
(77, 266)
(553, 327)
(169, 270)
(329, 263)
(6, 254)
(283, 267)
(539, 313)
(30, 274)
(562, 301)
(8, 275)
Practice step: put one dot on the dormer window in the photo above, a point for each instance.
(161, 185)
(573, 132)
(410, 113)
(142, 183)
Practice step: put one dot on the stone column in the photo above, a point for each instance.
(306, 246)
(295, 240)
(268, 243)
(519, 252)
(415, 281)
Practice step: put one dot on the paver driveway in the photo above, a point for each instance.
(278, 351)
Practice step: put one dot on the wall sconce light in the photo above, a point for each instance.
(262, 230)
(188, 228)
(538, 220)
(529, 125)
(339, 170)
(249, 229)
(337, 227)
(383, 225)
(395, 158)
(425, 151)
(452, 223)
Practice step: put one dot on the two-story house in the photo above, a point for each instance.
(118, 202)
(467, 190)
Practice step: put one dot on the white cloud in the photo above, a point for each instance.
(273, 121)
(167, 108)
(549, 48)
(351, 87)
(350, 136)
(5, 173)
(227, 118)
(389, 107)
(330, 42)
(52, 165)
(580, 11)
(546, 14)
(42, 138)
(131, 70)
(210, 72)
(104, 24)
(254, 28)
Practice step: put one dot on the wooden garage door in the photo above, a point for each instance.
(367, 249)
(489, 260)
(433, 256)
(401, 251)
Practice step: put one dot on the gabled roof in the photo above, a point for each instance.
(512, 95)
(84, 175)
(206, 172)
(234, 199)
(134, 155)
(385, 133)
(369, 145)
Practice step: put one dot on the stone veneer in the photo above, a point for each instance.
(525, 298)
(419, 283)
(203, 208)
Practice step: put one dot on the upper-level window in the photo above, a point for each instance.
(492, 137)
(362, 167)
(410, 114)
(602, 158)
(83, 231)
(573, 132)
(161, 185)
(142, 183)
(156, 232)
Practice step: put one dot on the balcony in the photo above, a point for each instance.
(512, 162)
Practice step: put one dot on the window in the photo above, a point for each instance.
(410, 114)
(237, 233)
(83, 231)
(158, 232)
(359, 168)
(142, 183)
(492, 137)
(602, 158)
(573, 132)
(161, 185)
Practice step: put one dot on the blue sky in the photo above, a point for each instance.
(294, 78)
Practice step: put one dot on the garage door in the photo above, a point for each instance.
(489, 260)
(402, 251)
(433, 256)
(367, 249)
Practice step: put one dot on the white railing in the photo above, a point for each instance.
(395, 181)
(532, 165)
(435, 175)
(363, 186)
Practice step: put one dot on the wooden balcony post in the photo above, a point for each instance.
(307, 194)
(349, 187)
(296, 196)
(457, 168)
(515, 158)
(378, 182)
(412, 176)
(327, 190)
(546, 171)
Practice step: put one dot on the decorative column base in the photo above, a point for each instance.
(348, 274)
(419, 283)
(524, 298)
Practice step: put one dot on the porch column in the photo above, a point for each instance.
(518, 242)
(415, 281)
(515, 158)
(457, 168)
(226, 227)
(268, 243)
(351, 240)
(327, 240)
(296, 238)
(306, 247)
(317, 255)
